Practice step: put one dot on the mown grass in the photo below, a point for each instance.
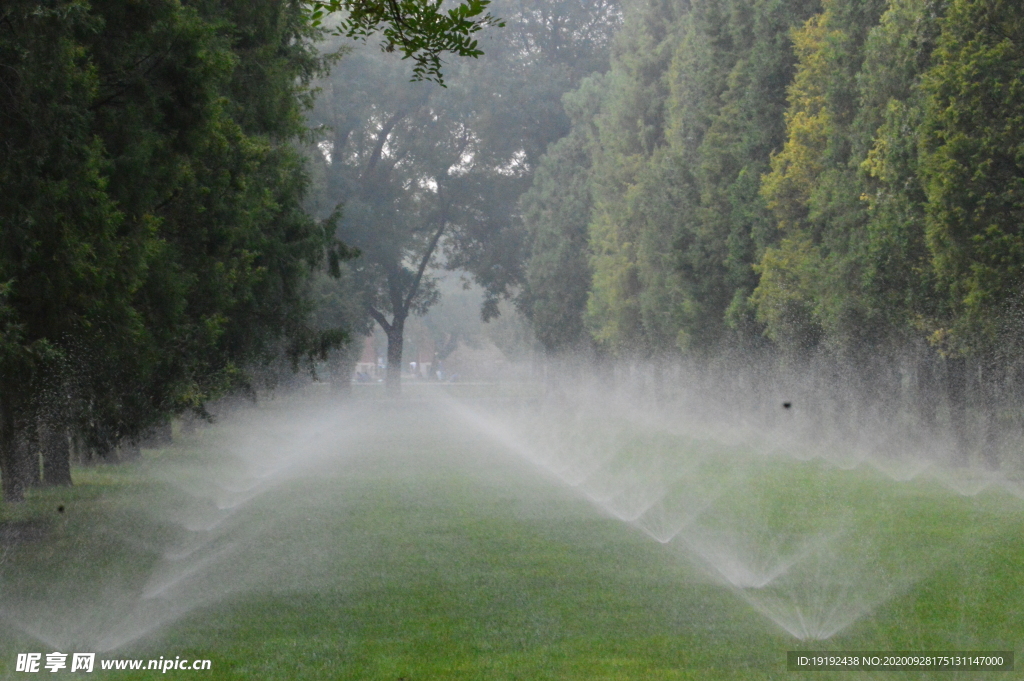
(425, 551)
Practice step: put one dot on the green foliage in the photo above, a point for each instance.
(836, 180)
(785, 293)
(631, 127)
(973, 168)
(734, 153)
(153, 243)
(812, 285)
(420, 29)
(692, 111)
(898, 278)
(431, 177)
(68, 263)
(556, 212)
(840, 177)
(202, 162)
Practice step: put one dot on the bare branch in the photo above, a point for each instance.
(382, 138)
(424, 261)
(379, 318)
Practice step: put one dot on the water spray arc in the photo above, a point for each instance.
(753, 512)
(208, 521)
(356, 500)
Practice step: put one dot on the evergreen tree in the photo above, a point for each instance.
(631, 128)
(64, 269)
(556, 213)
(973, 170)
(679, 222)
(898, 282)
(810, 283)
(154, 244)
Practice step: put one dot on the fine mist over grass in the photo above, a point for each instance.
(815, 518)
(640, 525)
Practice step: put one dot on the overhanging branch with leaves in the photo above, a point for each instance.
(420, 29)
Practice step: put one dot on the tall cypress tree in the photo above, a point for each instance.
(153, 239)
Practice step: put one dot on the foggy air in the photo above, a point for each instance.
(546, 339)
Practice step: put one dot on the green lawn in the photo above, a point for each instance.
(365, 540)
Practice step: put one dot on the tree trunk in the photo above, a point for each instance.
(341, 364)
(991, 401)
(160, 435)
(28, 442)
(80, 452)
(128, 449)
(56, 451)
(928, 393)
(956, 393)
(7, 478)
(189, 423)
(16, 471)
(393, 378)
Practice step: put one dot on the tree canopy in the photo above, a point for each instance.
(831, 180)
(430, 178)
(153, 242)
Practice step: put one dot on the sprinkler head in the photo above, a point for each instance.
(787, 405)
(60, 509)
